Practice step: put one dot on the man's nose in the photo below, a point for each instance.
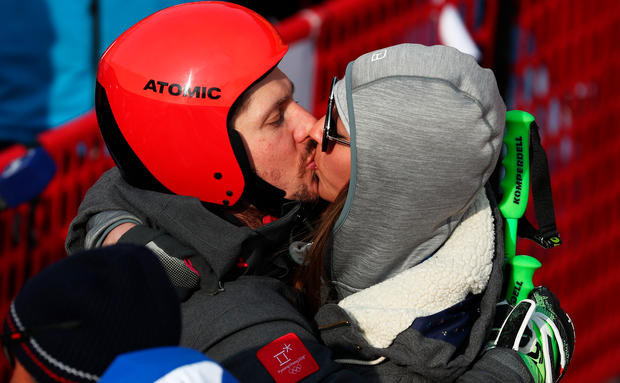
(303, 123)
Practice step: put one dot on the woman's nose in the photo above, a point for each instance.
(316, 132)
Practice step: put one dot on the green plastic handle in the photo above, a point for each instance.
(520, 283)
(516, 189)
(516, 183)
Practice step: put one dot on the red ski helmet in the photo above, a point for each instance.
(165, 88)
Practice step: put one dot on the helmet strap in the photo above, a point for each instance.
(260, 193)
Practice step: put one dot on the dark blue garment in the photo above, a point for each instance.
(451, 325)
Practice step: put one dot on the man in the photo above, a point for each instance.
(209, 146)
(231, 135)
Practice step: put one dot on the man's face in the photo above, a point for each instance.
(275, 130)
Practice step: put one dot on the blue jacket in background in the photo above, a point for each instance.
(48, 55)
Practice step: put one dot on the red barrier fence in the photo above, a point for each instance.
(351, 28)
(33, 234)
(564, 71)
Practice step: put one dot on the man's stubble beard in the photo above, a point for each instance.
(302, 193)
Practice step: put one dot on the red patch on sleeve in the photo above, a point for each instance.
(287, 359)
(269, 219)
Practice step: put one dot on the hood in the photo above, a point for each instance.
(426, 125)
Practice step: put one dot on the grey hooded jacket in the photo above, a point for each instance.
(415, 268)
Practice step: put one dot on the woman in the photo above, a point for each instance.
(409, 284)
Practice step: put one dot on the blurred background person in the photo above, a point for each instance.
(72, 319)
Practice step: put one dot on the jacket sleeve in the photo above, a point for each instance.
(252, 312)
(101, 197)
(498, 365)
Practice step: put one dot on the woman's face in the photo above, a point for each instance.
(333, 167)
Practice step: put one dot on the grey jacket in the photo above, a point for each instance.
(392, 330)
(250, 312)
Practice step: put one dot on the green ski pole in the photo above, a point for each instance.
(515, 187)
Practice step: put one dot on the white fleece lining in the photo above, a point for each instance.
(461, 266)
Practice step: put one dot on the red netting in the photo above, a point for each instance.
(351, 28)
(566, 72)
